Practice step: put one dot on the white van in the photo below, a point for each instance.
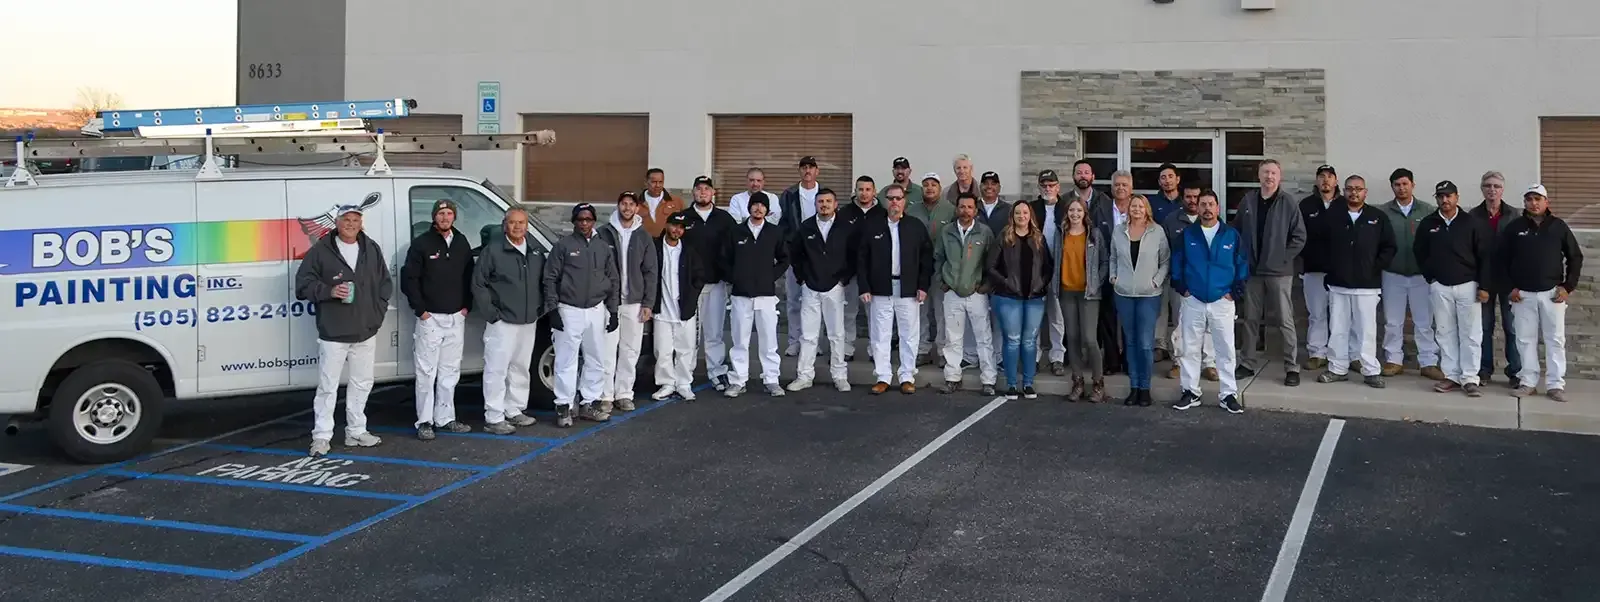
(130, 288)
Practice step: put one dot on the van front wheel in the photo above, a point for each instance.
(106, 411)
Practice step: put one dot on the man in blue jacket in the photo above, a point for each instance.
(1209, 269)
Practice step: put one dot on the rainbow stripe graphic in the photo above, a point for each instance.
(239, 241)
(136, 246)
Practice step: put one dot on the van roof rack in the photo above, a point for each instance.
(340, 127)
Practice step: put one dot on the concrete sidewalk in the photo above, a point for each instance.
(1407, 397)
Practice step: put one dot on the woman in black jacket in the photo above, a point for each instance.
(1018, 269)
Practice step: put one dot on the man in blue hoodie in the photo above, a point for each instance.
(1210, 267)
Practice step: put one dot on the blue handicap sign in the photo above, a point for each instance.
(488, 105)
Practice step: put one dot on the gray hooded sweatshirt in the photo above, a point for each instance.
(636, 259)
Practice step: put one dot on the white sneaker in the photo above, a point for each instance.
(663, 393)
(774, 390)
(362, 440)
(800, 384)
(842, 385)
(733, 390)
(320, 447)
(686, 393)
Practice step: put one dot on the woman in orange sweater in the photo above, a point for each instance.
(1084, 259)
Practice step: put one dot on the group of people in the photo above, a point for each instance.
(956, 276)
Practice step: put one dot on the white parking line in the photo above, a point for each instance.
(1289, 553)
(6, 469)
(827, 520)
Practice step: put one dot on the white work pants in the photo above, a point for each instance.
(1538, 316)
(1353, 325)
(713, 319)
(889, 314)
(621, 353)
(1400, 293)
(331, 361)
(507, 361)
(1208, 352)
(793, 304)
(1458, 326)
(852, 309)
(931, 319)
(1201, 322)
(760, 314)
(960, 314)
(436, 350)
(582, 329)
(818, 311)
(675, 353)
(1057, 327)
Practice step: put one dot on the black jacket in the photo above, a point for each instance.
(857, 220)
(1359, 251)
(789, 202)
(754, 264)
(706, 238)
(1541, 256)
(1314, 257)
(692, 276)
(1499, 281)
(1037, 205)
(1003, 268)
(873, 267)
(1453, 253)
(437, 277)
(820, 265)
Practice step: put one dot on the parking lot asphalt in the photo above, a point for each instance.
(922, 497)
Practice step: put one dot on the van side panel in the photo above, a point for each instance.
(245, 241)
(84, 263)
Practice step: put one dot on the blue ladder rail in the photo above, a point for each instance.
(127, 120)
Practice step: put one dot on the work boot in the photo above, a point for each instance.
(880, 388)
(564, 416)
(455, 427)
(520, 419)
(592, 413)
(950, 386)
(425, 432)
(1330, 377)
(1523, 391)
(604, 406)
(1392, 369)
(1375, 381)
(1433, 372)
(988, 390)
(1316, 363)
(1058, 368)
(625, 405)
(1173, 371)
(1097, 393)
(1077, 389)
(1210, 374)
(1556, 395)
(499, 428)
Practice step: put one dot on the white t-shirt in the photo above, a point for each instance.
(653, 202)
(705, 214)
(522, 247)
(755, 228)
(1406, 208)
(824, 225)
(1209, 231)
(351, 251)
(808, 201)
(1051, 234)
(894, 248)
(671, 261)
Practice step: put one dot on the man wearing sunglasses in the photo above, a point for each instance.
(582, 295)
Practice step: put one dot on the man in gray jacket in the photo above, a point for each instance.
(1273, 231)
(582, 281)
(506, 295)
(635, 254)
(347, 276)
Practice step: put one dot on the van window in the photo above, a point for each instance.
(476, 216)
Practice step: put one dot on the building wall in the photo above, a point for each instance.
(1447, 93)
(297, 47)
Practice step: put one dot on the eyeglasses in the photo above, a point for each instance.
(896, 198)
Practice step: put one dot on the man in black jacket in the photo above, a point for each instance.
(346, 275)
(1544, 261)
(437, 281)
(820, 258)
(1360, 236)
(1313, 265)
(508, 295)
(681, 275)
(799, 202)
(856, 215)
(1498, 215)
(755, 254)
(706, 227)
(1452, 250)
(895, 269)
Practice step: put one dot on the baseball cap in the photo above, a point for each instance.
(1325, 168)
(1048, 175)
(808, 161)
(1536, 189)
(356, 209)
(989, 175)
(677, 218)
(902, 162)
(704, 180)
(443, 204)
(627, 194)
(582, 207)
(932, 175)
(1444, 188)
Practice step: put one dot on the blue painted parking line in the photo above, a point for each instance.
(159, 567)
(400, 430)
(180, 478)
(164, 524)
(278, 451)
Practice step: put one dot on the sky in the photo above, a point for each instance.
(153, 53)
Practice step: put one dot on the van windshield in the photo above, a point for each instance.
(544, 229)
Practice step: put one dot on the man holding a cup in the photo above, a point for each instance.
(347, 276)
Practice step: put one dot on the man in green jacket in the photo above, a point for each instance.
(958, 260)
(933, 211)
(1403, 285)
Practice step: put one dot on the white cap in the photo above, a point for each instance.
(932, 175)
(1536, 189)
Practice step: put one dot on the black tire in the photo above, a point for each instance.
(131, 379)
(541, 392)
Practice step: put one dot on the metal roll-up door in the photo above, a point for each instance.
(1569, 150)
(775, 143)
(423, 124)
(595, 158)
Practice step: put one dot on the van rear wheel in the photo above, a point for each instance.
(105, 411)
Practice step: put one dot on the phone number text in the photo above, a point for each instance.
(192, 317)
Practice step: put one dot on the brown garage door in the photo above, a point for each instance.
(423, 124)
(775, 143)
(594, 158)
(1569, 150)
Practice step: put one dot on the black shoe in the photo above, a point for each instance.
(1232, 405)
(1292, 379)
(1243, 372)
(1011, 394)
(425, 432)
(988, 390)
(1187, 401)
(1144, 398)
(1374, 381)
(1132, 398)
(1029, 393)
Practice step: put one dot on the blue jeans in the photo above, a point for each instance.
(1138, 315)
(1019, 323)
(1513, 356)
